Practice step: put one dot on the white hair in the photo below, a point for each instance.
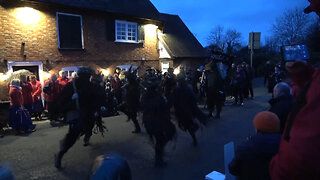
(282, 89)
(74, 74)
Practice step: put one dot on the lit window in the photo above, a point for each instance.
(165, 66)
(126, 31)
(70, 34)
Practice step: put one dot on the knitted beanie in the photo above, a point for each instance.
(267, 122)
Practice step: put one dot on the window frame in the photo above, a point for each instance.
(58, 32)
(126, 31)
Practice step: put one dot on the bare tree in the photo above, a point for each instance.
(271, 44)
(216, 38)
(233, 40)
(224, 41)
(291, 27)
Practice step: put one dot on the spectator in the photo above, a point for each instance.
(214, 90)
(116, 85)
(52, 89)
(239, 80)
(277, 76)
(268, 71)
(249, 79)
(281, 103)
(37, 107)
(110, 166)
(298, 156)
(63, 79)
(73, 75)
(233, 81)
(19, 118)
(253, 156)
(26, 93)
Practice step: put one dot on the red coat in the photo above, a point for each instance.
(27, 93)
(63, 81)
(299, 158)
(55, 89)
(36, 90)
(15, 96)
(116, 84)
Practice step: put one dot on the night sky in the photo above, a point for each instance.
(201, 16)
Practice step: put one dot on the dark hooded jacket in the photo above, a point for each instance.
(281, 106)
(252, 158)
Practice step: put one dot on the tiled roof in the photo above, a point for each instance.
(179, 40)
(138, 8)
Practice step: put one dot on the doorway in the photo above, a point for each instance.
(36, 67)
(33, 69)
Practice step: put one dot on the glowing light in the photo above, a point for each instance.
(46, 75)
(150, 30)
(28, 16)
(105, 72)
(176, 71)
(3, 77)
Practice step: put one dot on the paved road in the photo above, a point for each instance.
(31, 157)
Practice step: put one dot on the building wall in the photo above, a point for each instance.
(192, 63)
(41, 42)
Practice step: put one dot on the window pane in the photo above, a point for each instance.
(70, 31)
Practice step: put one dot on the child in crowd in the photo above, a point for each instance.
(252, 157)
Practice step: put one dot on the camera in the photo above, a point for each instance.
(298, 52)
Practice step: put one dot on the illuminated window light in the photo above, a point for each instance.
(28, 16)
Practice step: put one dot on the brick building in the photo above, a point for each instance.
(48, 35)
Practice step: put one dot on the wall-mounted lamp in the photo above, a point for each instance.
(27, 15)
(143, 58)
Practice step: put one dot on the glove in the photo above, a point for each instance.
(103, 108)
(75, 96)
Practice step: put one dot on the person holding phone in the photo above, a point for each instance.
(298, 156)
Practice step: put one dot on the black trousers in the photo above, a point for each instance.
(214, 100)
(239, 91)
(69, 140)
(248, 90)
(161, 142)
(89, 127)
(249, 87)
(133, 116)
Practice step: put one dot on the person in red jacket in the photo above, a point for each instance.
(63, 80)
(298, 157)
(52, 89)
(19, 119)
(26, 93)
(36, 96)
(116, 85)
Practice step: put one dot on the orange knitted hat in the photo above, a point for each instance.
(267, 122)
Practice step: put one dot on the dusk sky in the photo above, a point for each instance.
(201, 16)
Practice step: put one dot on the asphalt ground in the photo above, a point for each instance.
(31, 156)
